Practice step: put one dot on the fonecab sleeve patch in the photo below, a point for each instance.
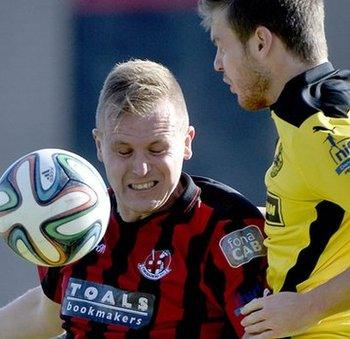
(241, 246)
(106, 304)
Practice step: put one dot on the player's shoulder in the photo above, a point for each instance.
(224, 198)
(239, 239)
(320, 89)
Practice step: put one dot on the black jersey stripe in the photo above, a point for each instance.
(120, 255)
(121, 252)
(123, 247)
(153, 286)
(79, 271)
(49, 281)
(217, 286)
(328, 221)
(194, 299)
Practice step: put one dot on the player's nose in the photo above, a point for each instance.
(140, 166)
(218, 66)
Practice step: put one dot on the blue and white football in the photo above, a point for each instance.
(54, 207)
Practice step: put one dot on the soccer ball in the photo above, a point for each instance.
(54, 207)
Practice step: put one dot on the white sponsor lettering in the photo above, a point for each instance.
(108, 298)
(241, 246)
(93, 312)
(91, 293)
(74, 287)
(143, 304)
(106, 304)
(125, 302)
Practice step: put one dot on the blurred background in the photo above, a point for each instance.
(55, 55)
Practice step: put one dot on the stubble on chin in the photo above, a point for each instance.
(255, 97)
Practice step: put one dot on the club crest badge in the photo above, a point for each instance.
(156, 265)
(277, 162)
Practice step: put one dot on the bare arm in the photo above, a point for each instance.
(270, 316)
(337, 291)
(32, 315)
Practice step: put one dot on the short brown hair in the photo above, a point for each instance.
(298, 23)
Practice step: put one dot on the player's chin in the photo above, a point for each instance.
(144, 210)
(249, 104)
(233, 90)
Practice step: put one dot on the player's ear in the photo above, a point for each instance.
(261, 41)
(97, 137)
(188, 142)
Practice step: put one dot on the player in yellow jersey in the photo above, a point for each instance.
(273, 53)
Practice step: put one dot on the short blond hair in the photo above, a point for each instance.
(135, 87)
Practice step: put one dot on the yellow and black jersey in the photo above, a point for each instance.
(308, 184)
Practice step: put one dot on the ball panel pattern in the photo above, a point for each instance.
(54, 207)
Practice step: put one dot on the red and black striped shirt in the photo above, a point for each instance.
(180, 273)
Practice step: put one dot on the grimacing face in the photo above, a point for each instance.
(246, 78)
(143, 158)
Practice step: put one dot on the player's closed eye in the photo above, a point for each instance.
(157, 151)
(124, 152)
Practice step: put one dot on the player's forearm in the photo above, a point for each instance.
(23, 318)
(333, 296)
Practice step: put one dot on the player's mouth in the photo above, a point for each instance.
(143, 186)
(227, 81)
